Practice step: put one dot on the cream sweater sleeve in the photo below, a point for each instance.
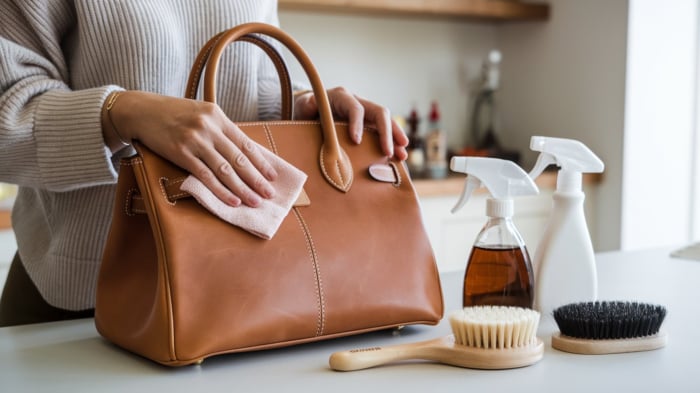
(50, 136)
(269, 94)
(268, 81)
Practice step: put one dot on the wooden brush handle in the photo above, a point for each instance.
(358, 359)
(443, 350)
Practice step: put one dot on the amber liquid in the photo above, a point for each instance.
(499, 276)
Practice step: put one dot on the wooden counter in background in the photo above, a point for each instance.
(5, 222)
(453, 184)
(478, 10)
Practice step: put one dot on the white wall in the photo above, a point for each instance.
(397, 61)
(566, 78)
(659, 143)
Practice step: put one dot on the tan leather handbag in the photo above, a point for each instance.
(177, 284)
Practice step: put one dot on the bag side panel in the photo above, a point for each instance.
(130, 310)
(230, 289)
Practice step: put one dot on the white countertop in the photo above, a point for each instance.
(8, 248)
(72, 357)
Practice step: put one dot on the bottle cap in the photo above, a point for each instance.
(499, 207)
(434, 112)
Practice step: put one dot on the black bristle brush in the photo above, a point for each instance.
(595, 328)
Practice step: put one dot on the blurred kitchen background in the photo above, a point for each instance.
(618, 75)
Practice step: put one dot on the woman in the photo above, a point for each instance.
(62, 63)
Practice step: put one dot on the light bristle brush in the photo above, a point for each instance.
(484, 337)
(596, 328)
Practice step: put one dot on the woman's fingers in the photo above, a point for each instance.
(243, 167)
(381, 118)
(199, 137)
(400, 141)
(201, 171)
(346, 106)
(357, 111)
(238, 164)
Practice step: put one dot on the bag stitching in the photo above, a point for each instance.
(161, 182)
(397, 183)
(268, 135)
(325, 172)
(320, 323)
(128, 204)
(281, 123)
(340, 172)
(321, 306)
(298, 122)
(129, 209)
(172, 183)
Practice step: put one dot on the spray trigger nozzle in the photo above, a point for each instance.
(470, 185)
(571, 156)
(503, 179)
(543, 161)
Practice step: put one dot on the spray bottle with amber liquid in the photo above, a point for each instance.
(499, 271)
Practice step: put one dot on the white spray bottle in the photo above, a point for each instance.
(499, 271)
(565, 269)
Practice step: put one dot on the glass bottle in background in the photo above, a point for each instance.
(416, 146)
(436, 146)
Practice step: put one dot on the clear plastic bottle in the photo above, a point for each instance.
(499, 271)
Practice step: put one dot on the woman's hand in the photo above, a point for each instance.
(357, 111)
(200, 138)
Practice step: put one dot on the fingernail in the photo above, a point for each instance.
(269, 192)
(234, 201)
(254, 201)
(271, 174)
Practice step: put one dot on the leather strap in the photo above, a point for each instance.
(334, 162)
(281, 67)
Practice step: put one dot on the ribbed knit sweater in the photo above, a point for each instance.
(59, 60)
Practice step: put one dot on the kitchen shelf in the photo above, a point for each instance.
(484, 10)
(5, 221)
(454, 184)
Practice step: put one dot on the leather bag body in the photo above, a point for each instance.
(177, 284)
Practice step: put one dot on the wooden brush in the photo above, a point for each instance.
(596, 328)
(484, 337)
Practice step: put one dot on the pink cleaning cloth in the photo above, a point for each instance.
(264, 220)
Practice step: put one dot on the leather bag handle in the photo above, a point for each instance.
(281, 67)
(334, 162)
